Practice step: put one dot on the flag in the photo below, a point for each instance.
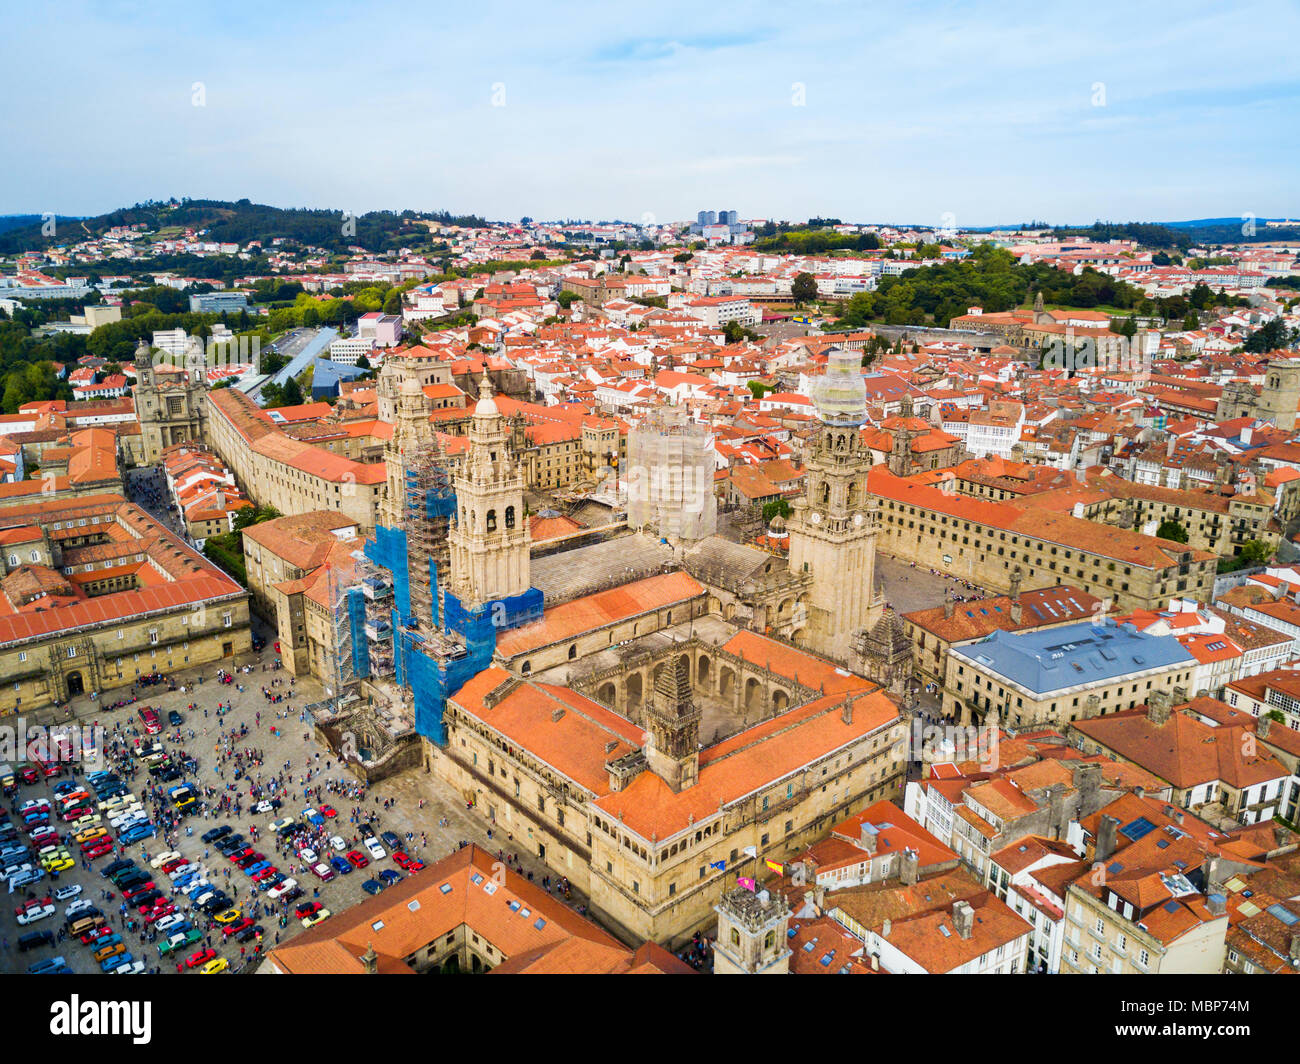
(776, 867)
(750, 851)
(748, 884)
(721, 866)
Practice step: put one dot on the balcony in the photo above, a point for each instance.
(378, 630)
(375, 589)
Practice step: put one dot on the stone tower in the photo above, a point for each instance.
(175, 412)
(673, 721)
(410, 431)
(489, 541)
(886, 653)
(1281, 393)
(833, 527)
(751, 934)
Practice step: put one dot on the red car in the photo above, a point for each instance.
(239, 855)
(358, 859)
(328, 811)
(45, 837)
(157, 913)
(90, 937)
(202, 957)
(30, 775)
(175, 862)
(265, 873)
(407, 862)
(100, 847)
(234, 929)
(135, 892)
(78, 813)
(307, 908)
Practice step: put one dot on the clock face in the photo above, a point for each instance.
(815, 518)
(857, 519)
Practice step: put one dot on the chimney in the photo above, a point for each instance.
(1281, 835)
(1016, 610)
(1263, 726)
(370, 960)
(947, 607)
(1217, 904)
(869, 839)
(887, 927)
(963, 918)
(1159, 705)
(1140, 791)
(910, 868)
(1106, 837)
(1210, 873)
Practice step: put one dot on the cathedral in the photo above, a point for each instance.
(650, 719)
(169, 411)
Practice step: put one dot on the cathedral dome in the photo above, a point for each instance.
(486, 407)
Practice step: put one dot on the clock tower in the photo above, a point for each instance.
(833, 527)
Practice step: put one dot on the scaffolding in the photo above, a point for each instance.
(670, 476)
(350, 651)
(430, 502)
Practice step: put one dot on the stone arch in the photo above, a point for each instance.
(654, 675)
(510, 517)
(491, 520)
(703, 669)
(715, 606)
(799, 637)
(726, 682)
(606, 693)
(729, 611)
(684, 660)
(784, 609)
(753, 694)
(780, 700)
(634, 687)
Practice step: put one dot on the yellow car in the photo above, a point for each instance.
(219, 964)
(90, 833)
(88, 821)
(315, 918)
(228, 917)
(61, 865)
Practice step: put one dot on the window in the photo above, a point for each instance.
(1144, 958)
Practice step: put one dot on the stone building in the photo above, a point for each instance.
(169, 411)
(119, 597)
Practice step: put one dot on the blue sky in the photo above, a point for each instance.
(984, 112)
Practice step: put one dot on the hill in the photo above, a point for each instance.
(242, 221)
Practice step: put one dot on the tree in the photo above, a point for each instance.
(776, 506)
(760, 389)
(804, 288)
(1191, 322)
(1172, 530)
(1256, 552)
(363, 362)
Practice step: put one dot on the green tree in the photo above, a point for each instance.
(1256, 552)
(804, 288)
(1172, 530)
(776, 506)
(760, 389)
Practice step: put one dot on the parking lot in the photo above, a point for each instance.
(273, 734)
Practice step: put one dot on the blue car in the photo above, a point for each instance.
(315, 817)
(253, 869)
(371, 886)
(340, 866)
(188, 878)
(135, 834)
(390, 876)
(116, 962)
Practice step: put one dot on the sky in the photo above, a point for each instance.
(953, 114)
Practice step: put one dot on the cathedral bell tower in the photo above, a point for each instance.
(833, 527)
(410, 431)
(673, 720)
(490, 539)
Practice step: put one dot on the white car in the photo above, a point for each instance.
(283, 889)
(130, 819)
(181, 870)
(71, 890)
(134, 968)
(163, 858)
(169, 921)
(35, 911)
(116, 802)
(34, 803)
(276, 826)
(263, 807)
(336, 841)
(376, 851)
(308, 855)
(79, 906)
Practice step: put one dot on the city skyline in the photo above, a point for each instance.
(864, 115)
